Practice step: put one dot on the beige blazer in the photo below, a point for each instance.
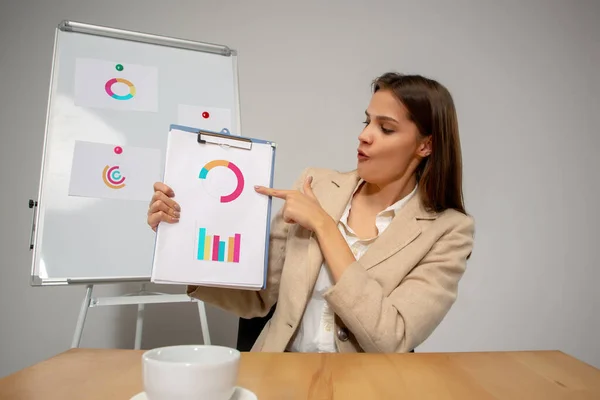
(390, 300)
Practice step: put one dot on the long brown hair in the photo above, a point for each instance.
(431, 108)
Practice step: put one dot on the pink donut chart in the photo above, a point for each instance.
(109, 84)
(236, 171)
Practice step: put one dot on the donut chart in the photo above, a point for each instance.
(112, 177)
(236, 171)
(109, 84)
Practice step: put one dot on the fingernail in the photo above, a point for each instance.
(256, 187)
(177, 214)
(177, 207)
(310, 178)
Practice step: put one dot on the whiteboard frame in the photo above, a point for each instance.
(115, 33)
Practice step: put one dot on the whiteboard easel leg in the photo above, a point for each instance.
(82, 315)
(139, 327)
(140, 298)
(203, 322)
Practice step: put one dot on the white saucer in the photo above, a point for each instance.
(239, 394)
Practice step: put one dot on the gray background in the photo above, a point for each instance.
(524, 77)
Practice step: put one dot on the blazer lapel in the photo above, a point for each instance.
(333, 194)
(403, 229)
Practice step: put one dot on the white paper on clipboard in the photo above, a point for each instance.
(221, 238)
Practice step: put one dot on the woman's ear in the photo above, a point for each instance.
(424, 149)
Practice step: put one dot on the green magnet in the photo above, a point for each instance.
(119, 67)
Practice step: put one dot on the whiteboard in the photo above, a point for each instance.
(79, 235)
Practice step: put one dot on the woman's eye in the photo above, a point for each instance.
(366, 122)
(387, 131)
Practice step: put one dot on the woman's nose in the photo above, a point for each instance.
(365, 136)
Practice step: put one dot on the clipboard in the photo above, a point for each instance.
(227, 215)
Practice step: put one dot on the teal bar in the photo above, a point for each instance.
(221, 251)
(201, 243)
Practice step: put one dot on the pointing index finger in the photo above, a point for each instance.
(282, 194)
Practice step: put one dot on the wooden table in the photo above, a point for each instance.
(116, 374)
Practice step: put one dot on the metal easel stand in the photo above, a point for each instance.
(140, 298)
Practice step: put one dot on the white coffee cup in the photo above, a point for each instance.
(190, 372)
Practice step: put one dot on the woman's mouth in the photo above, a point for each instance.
(362, 156)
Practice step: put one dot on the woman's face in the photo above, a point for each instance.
(390, 145)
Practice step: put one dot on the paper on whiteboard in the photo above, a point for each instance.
(114, 172)
(115, 85)
(220, 239)
(207, 118)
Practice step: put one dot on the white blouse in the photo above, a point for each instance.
(316, 330)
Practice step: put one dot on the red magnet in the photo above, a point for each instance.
(118, 150)
(205, 114)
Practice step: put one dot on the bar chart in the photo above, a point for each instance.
(213, 248)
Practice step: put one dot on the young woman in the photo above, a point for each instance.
(367, 260)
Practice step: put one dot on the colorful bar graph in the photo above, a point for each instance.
(212, 248)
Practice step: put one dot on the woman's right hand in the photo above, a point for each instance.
(162, 206)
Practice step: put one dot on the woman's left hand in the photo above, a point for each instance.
(301, 208)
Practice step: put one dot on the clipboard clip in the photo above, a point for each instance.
(224, 139)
